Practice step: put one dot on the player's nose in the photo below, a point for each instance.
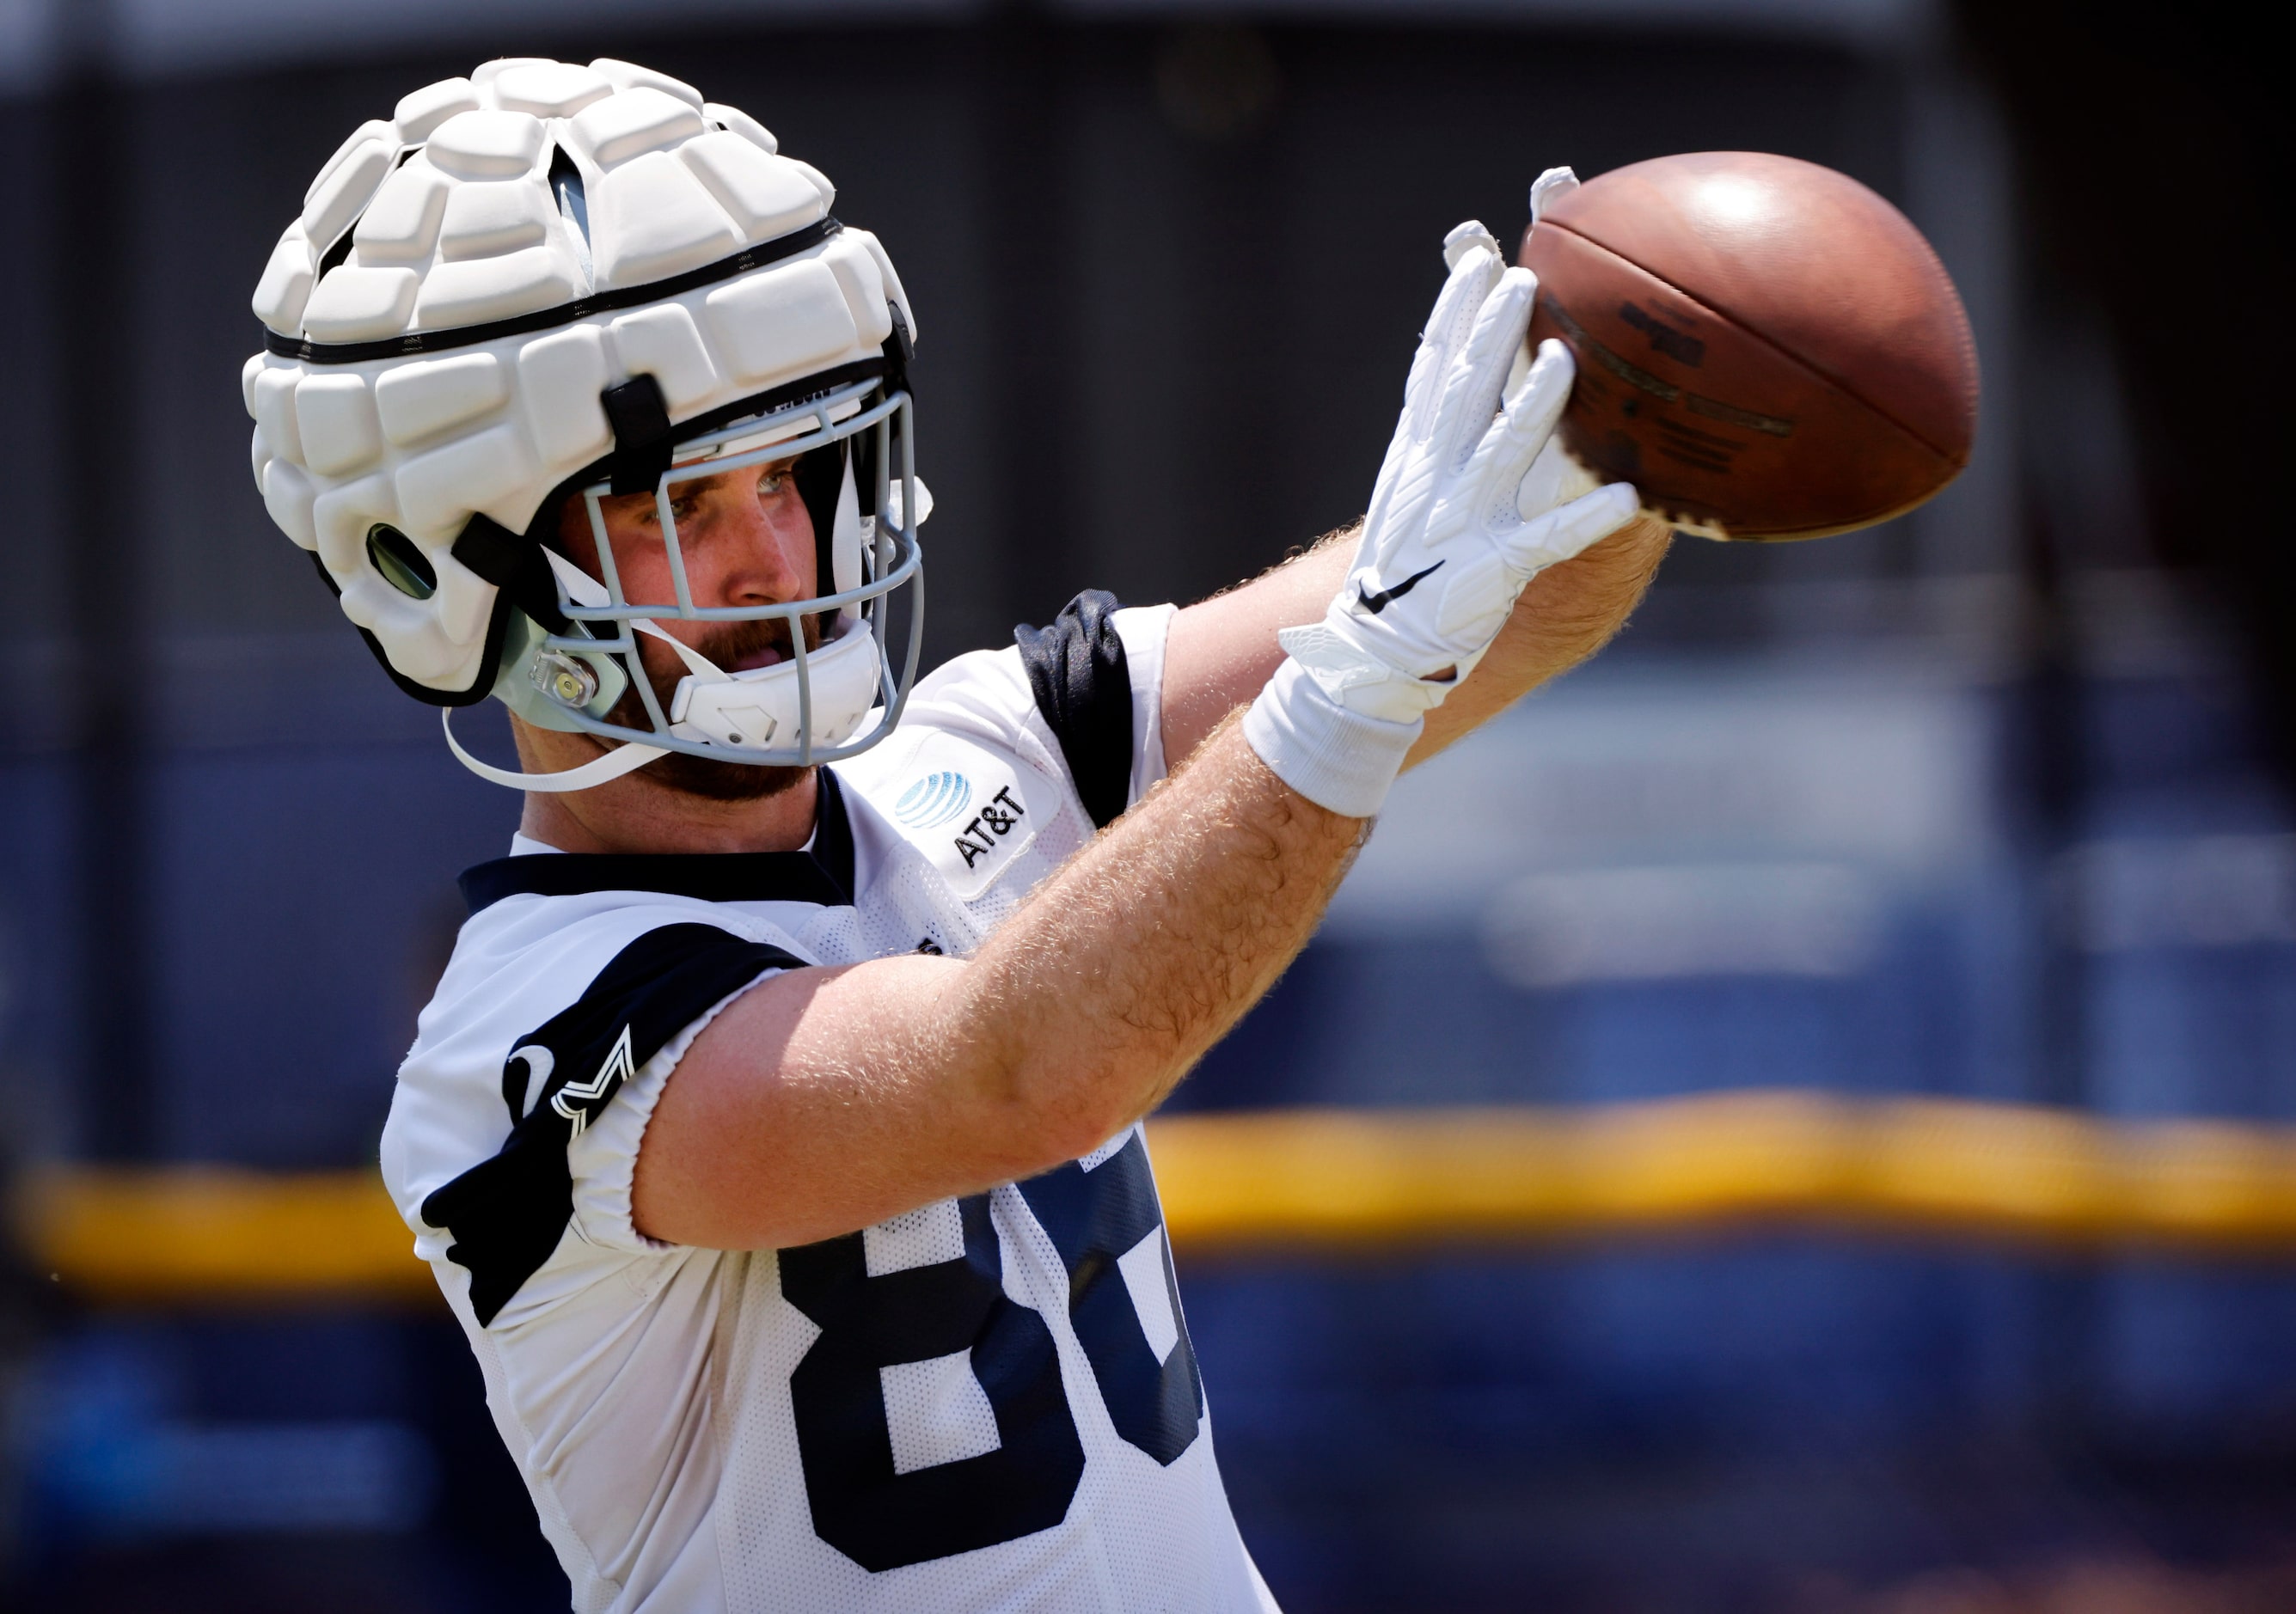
(767, 552)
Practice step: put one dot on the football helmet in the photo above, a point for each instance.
(547, 281)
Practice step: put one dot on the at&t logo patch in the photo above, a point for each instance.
(998, 816)
(966, 806)
(933, 800)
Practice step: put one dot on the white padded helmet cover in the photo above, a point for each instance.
(444, 217)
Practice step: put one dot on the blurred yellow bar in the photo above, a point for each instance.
(1343, 1180)
(204, 1235)
(1337, 1182)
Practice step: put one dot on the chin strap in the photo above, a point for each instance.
(700, 666)
(627, 759)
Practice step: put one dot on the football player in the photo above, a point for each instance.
(775, 1130)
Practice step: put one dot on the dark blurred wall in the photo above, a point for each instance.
(2154, 162)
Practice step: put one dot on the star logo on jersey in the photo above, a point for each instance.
(576, 1100)
(933, 800)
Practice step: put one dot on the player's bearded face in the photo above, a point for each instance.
(747, 539)
(735, 646)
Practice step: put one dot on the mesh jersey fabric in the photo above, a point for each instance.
(989, 1403)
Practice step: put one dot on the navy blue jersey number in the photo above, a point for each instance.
(882, 1519)
(1095, 1216)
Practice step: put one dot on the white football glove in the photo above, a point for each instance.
(1459, 524)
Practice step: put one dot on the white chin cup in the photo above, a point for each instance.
(756, 709)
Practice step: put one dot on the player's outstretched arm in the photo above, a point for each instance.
(830, 1099)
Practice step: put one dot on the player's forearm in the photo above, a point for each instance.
(1091, 1002)
(1221, 652)
(829, 1099)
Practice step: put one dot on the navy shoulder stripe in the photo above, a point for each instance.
(1083, 686)
(823, 875)
(508, 1213)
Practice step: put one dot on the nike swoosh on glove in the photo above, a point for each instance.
(1469, 506)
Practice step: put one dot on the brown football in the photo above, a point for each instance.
(1766, 349)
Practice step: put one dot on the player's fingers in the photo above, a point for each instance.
(1512, 443)
(1555, 478)
(1464, 290)
(1448, 331)
(1560, 534)
(1464, 238)
(1470, 390)
(1538, 401)
(1549, 188)
(1406, 479)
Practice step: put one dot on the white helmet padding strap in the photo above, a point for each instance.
(627, 758)
(845, 533)
(713, 707)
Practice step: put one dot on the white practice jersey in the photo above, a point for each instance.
(989, 1403)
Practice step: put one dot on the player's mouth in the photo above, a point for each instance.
(740, 647)
(735, 647)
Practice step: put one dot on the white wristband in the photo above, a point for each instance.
(1338, 759)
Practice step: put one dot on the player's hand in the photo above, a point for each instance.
(1467, 509)
(1457, 524)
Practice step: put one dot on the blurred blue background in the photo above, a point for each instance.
(1986, 802)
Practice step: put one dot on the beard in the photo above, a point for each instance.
(726, 644)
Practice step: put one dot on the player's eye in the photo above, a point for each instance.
(773, 479)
